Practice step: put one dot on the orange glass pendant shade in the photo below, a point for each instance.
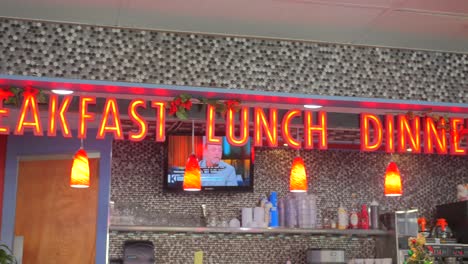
(298, 178)
(80, 170)
(393, 181)
(192, 175)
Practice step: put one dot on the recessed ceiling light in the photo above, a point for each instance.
(62, 92)
(311, 106)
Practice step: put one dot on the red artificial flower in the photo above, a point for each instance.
(173, 109)
(410, 115)
(188, 104)
(5, 93)
(178, 101)
(29, 91)
(232, 104)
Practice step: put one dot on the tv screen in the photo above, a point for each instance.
(223, 167)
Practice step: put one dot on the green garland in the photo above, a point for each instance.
(14, 96)
(181, 105)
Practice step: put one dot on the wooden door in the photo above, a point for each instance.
(58, 222)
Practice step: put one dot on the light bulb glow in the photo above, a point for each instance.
(393, 181)
(62, 91)
(80, 170)
(298, 177)
(312, 106)
(192, 175)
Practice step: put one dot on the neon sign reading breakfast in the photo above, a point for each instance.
(420, 134)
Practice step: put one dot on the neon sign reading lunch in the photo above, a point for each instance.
(412, 134)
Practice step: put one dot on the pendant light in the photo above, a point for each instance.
(392, 181)
(80, 170)
(298, 176)
(192, 175)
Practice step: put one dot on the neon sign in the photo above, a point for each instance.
(397, 133)
(409, 134)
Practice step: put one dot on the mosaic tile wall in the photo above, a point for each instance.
(111, 54)
(334, 176)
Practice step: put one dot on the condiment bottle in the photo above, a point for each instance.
(374, 215)
(353, 214)
(342, 218)
(364, 218)
(353, 220)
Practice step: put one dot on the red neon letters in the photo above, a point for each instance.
(29, 105)
(111, 111)
(374, 132)
(244, 127)
(409, 134)
(137, 120)
(53, 103)
(369, 121)
(261, 124)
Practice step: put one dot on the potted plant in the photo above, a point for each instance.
(6, 256)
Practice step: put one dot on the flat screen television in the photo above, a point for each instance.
(223, 167)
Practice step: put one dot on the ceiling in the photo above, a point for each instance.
(414, 24)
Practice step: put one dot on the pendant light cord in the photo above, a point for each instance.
(193, 137)
(298, 154)
(81, 147)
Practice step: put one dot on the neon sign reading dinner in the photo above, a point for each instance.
(420, 134)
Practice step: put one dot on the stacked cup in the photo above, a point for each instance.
(303, 211)
(313, 210)
(282, 212)
(290, 212)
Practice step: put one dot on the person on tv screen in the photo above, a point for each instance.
(216, 172)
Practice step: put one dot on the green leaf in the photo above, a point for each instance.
(6, 256)
(185, 97)
(12, 101)
(41, 98)
(212, 102)
(15, 90)
(221, 108)
(202, 100)
(237, 108)
(182, 115)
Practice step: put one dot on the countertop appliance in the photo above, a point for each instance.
(444, 251)
(456, 215)
(325, 255)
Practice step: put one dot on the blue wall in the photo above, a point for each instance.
(31, 145)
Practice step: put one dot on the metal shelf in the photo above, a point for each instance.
(243, 230)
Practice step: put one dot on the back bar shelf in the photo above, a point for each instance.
(244, 230)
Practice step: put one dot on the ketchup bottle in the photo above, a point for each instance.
(364, 218)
